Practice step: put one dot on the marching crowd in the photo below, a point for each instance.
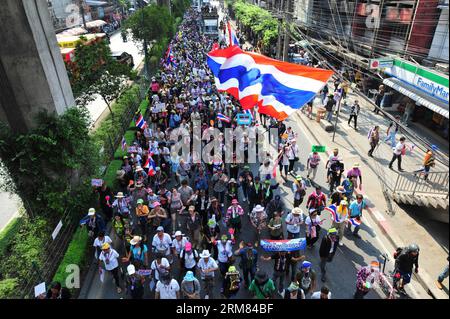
(176, 224)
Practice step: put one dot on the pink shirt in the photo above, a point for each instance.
(155, 87)
(354, 172)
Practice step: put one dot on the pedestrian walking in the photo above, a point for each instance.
(442, 276)
(355, 211)
(281, 264)
(293, 292)
(392, 131)
(316, 200)
(193, 226)
(324, 293)
(99, 241)
(405, 260)
(374, 139)
(225, 253)
(312, 223)
(342, 214)
(207, 267)
(135, 283)
(293, 221)
(327, 250)
(258, 219)
(190, 286)
(306, 277)
(379, 98)
(94, 223)
(299, 190)
(231, 283)
(329, 105)
(167, 288)
(262, 287)
(110, 259)
(399, 150)
(162, 242)
(276, 227)
(428, 162)
(248, 261)
(366, 278)
(312, 164)
(354, 112)
(142, 213)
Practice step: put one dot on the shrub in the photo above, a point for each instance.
(7, 234)
(8, 288)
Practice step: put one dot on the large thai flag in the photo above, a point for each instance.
(278, 88)
(332, 209)
(140, 122)
(232, 38)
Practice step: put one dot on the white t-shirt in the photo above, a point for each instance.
(163, 244)
(179, 245)
(99, 243)
(189, 258)
(398, 148)
(110, 259)
(203, 266)
(316, 295)
(158, 267)
(294, 229)
(168, 291)
(225, 251)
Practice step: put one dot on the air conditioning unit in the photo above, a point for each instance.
(428, 63)
(441, 67)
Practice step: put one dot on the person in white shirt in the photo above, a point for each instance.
(225, 252)
(207, 267)
(159, 267)
(293, 221)
(293, 155)
(110, 259)
(178, 243)
(99, 241)
(324, 293)
(167, 288)
(399, 150)
(162, 242)
(312, 164)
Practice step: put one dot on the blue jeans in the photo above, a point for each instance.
(443, 275)
(329, 116)
(391, 138)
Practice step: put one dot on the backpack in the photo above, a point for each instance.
(234, 282)
(305, 283)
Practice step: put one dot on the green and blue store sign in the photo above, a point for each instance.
(426, 80)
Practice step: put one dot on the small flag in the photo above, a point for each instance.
(223, 118)
(124, 144)
(332, 209)
(140, 122)
(355, 222)
(151, 166)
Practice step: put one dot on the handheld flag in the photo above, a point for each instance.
(140, 122)
(355, 222)
(278, 88)
(223, 118)
(151, 166)
(332, 209)
(124, 144)
(232, 38)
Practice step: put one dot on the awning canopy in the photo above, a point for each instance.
(95, 24)
(419, 96)
(92, 3)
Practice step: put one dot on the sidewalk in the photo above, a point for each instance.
(353, 147)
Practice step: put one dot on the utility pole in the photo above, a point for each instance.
(288, 16)
(377, 25)
(280, 29)
(337, 113)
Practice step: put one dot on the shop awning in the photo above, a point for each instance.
(92, 3)
(419, 96)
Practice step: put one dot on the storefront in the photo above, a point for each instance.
(426, 88)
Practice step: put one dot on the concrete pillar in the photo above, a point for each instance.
(32, 73)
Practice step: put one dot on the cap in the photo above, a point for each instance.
(356, 165)
(306, 264)
(160, 228)
(106, 246)
(293, 286)
(189, 276)
(375, 264)
(188, 246)
(140, 201)
(131, 270)
(91, 212)
(224, 237)
(232, 269)
(298, 177)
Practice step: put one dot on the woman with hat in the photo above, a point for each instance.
(258, 219)
(293, 221)
(306, 277)
(120, 205)
(225, 253)
(355, 172)
(94, 223)
(157, 215)
(110, 259)
(138, 252)
(338, 195)
(210, 235)
(312, 223)
(207, 266)
(190, 286)
(366, 278)
(232, 189)
(262, 287)
(327, 250)
(231, 283)
(293, 292)
(142, 212)
(342, 215)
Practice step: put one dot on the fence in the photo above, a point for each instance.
(436, 183)
(43, 270)
(123, 122)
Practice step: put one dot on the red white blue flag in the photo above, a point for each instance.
(333, 210)
(278, 88)
(223, 118)
(283, 245)
(140, 122)
(124, 144)
(354, 221)
(151, 166)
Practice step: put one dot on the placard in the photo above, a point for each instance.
(57, 229)
(40, 289)
(319, 148)
(283, 245)
(97, 182)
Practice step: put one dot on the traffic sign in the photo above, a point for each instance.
(319, 148)
(243, 119)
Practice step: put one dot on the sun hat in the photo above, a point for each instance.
(91, 212)
(120, 173)
(258, 208)
(306, 264)
(340, 189)
(140, 201)
(106, 246)
(131, 270)
(188, 246)
(297, 211)
(139, 184)
(205, 254)
(160, 228)
(178, 233)
(234, 201)
(135, 240)
(293, 286)
(332, 231)
(344, 202)
(189, 276)
(298, 177)
(232, 269)
(139, 169)
(156, 204)
(119, 195)
(356, 165)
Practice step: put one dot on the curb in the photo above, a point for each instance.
(383, 224)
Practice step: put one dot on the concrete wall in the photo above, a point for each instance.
(439, 46)
(32, 73)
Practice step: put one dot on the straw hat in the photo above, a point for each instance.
(297, 211)
(136, 240)
(119, 195)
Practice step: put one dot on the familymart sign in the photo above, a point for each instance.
(431, 82)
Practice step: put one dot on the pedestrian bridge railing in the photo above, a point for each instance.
(437, 183)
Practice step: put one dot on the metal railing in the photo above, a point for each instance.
(436, 183)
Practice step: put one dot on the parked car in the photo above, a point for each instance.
(123, 57)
